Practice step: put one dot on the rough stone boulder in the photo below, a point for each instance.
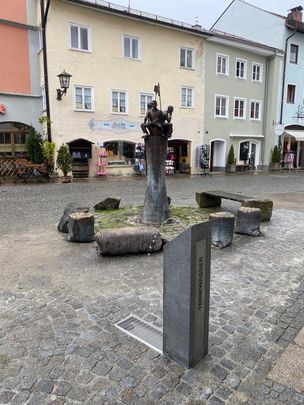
(265, 206)
(108, 204)
(128, 240)
(69, 209)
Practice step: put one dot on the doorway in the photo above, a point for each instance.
(217, 155)
(182, 155)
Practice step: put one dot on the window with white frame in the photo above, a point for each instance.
(144, 100)
(187, 97)
(257, 72)
(79, 37)
(241, 69)
(40, 38)
(222, 64)
(131, 47)
(43, 98)
(83, 100)
(239, 108)
(255, 110)
(119, 102)
(186, 58)
(221, 106)
(294, 51)
(248, 152)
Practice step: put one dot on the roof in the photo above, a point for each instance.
(196, 29)
(129, 12)
(245, 41)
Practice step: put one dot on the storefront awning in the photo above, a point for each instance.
(299, 135)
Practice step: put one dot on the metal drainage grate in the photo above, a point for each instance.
(146, 333)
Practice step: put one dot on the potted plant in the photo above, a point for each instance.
(231, 165)
(276, 158)
(64, 162)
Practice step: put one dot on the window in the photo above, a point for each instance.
(239, 108)
(241, 69)
(119, 102)
(83, 98)
(294, 50)
(5, 138)
(40, 38)
(291, 93)
(248, 152)
(255, 110)
(186, 58)
(43, 98)
(187, 97)
(79, 36)
(257, 71)
(221, 106)
(222, 65)
(145, 99)
(131, 47)
(19, 138)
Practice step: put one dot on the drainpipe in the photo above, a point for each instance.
(265, 109)
(44, 15)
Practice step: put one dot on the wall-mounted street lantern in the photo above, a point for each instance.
(64, 79)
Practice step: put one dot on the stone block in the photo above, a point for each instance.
(69, 209)
(187, 295)
(265, 206)
(81, 227)
(248, 221)
(222, 228)
(128, 240)
(206, 201)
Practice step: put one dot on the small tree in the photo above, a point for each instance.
(276, 156)
(64, 160)
(34, 146)
(48, 153)
(231, 157)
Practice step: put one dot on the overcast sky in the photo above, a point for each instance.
(207, 11)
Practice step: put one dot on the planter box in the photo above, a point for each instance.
(274, 166)
(231, 168)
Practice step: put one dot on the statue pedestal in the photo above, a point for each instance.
(156, 208)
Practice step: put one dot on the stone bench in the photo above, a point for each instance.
(213, 198)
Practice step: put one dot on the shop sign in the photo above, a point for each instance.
(2, 109)
(118, 126)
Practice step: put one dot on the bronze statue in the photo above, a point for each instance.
(153, 118)
(167, 125)
(156, 118)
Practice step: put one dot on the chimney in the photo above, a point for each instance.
(295, 14)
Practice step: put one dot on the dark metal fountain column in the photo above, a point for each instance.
(156, 208)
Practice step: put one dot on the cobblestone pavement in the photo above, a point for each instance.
(59, 301)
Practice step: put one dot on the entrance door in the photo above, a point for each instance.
(217, 158)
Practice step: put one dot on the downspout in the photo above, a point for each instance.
(265, 109)
(44, 15)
